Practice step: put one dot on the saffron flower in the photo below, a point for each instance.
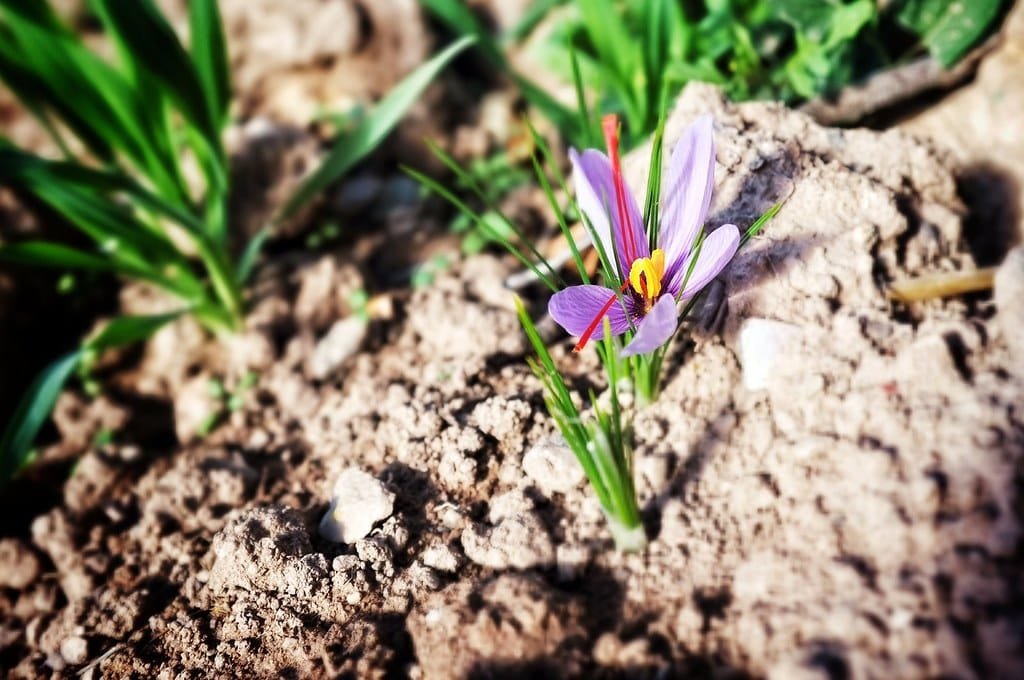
(651, 283)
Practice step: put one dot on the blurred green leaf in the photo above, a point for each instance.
(151, 43)
(948, 28)
(127, 330)
(210, 56)
(37, 403)
(247, 261)
(353, 146)
(457, 15)
(46, 254)
(31, 412)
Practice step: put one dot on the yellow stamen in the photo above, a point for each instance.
(645, 275)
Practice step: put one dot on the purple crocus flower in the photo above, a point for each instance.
(651, 282)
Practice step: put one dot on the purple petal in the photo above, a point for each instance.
(687, 189)
(718, 248)
(576, 307)
(595, 193)
(655, 329)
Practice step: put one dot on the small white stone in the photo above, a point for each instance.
(341, 341)
(762, 342)
(74, 650)
(358, 502)
(441, 557)
(552, 466)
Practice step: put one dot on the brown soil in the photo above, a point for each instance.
(844, 505)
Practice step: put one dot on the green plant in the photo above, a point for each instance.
(226, 401)
(652, 260)
(128, 129)
(496, 176)
(637, 55)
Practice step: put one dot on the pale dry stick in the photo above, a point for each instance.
(94, 664)
(946, 284)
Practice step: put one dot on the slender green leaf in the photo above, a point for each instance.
(482, 224)
(247, 261)
(46, 254)
(949, 29)
(457, 15)
(151, 42)
(127, 330)
(210, 56)
(351, 147)
(32, 411)
(755, 228)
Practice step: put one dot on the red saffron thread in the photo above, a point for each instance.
(610, 127)
(592, 328)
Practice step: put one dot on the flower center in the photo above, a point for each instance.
(645, 276)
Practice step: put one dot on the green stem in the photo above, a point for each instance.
(629, 536)
(223, 279)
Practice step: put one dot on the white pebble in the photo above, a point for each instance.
(342, 341)
(358, 502)
(762, 342)
(74, 650)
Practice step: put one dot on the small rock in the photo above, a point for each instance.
(762, 341)
(517, 542)
(326, 290)
(552, 465)
(74, 650)
(341, 342)
(508, 504)
(18, 565)
(358, 502)
(441, 557)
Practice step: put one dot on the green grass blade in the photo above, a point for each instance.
(37, 403)
(651, 203)
(533, 16)
(481, 224)
(351, 147)
(247, 261)
(46, 254)
(152, 44)
(460, 18)
(470, 182)
(108, 111)
(755, 228)
(127, 330)
(588, 125)
(38, 12)
(549, 193)
(210, 56)
(32, 411)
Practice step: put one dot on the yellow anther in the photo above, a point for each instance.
(645, 274)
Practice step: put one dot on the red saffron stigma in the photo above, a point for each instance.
(592, 328)
(610, 127)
